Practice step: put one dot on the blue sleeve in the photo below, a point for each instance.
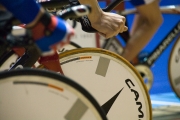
(24, 10)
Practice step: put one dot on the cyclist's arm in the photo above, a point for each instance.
(108, 24)
(21, 10)
(145, 25)
(48, 32)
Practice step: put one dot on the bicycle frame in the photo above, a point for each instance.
(154, 55)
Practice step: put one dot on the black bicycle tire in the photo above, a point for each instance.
(58, 77)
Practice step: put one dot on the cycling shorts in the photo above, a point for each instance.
(140, 2)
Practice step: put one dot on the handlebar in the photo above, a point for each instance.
(75, 12)
(85, 22)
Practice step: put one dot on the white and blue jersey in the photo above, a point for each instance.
(24, 10)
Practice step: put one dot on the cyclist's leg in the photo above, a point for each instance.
(144, 27)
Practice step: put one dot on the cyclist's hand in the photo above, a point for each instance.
(52, 36)
(109, 24)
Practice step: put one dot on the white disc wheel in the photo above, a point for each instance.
(113, 81)
(29, 94)
(174, 67)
